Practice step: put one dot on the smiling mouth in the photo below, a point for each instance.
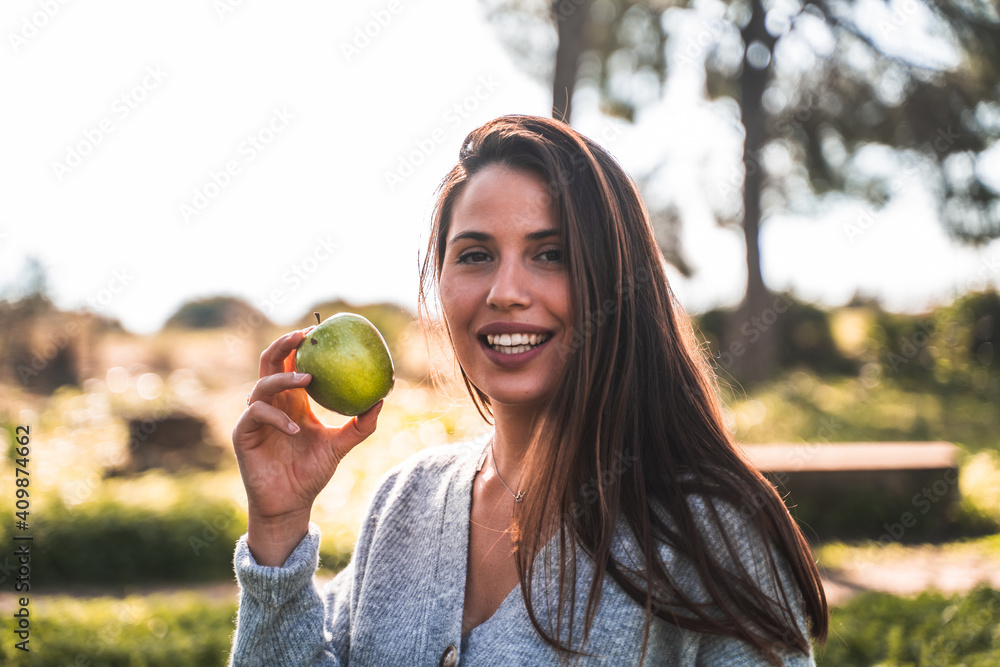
(516, 343)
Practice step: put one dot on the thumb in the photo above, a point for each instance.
(355, 431)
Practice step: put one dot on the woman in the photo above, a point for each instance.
(608, 519)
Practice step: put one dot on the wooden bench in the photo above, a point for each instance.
(886, 491)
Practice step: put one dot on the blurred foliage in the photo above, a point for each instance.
(136, 631)
(7, 438)
(215, 312)
(980, 487)
(932, 629)
(802, 407)
(952, 348)
(803, 331)
(109, 542)
(860, 373)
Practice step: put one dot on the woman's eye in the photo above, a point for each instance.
(552, 255)
(473, 257)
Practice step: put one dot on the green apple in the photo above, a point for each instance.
(349, 362)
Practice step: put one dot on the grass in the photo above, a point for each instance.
(803, 407)
(136, 631)
(928, 630)
(186, 629)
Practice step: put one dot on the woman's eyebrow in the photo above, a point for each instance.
(475, 236)
(483, 236)
(542, 234)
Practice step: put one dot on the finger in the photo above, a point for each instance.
(354, 432)
(272, 360)
(261, 414)
(268, 387)
(289, 363)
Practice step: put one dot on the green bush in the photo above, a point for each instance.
(213, 312)
(803, 332)
(107, 543)
(952, 348)
(113, 540)
(137, 631)
(932, 629)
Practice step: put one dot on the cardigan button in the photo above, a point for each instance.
(449, 658)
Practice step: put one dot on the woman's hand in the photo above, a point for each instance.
(285, 454)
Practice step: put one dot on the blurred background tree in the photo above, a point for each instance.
(836, 99)
(30, 291)
(214, 312)
(42, 347)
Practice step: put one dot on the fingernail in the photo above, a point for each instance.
(293, 427)
(299, 377)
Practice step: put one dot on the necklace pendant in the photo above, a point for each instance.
(519, 496)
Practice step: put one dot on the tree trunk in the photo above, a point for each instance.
(572, 18)
(752, 336)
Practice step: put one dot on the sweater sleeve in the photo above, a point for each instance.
(282, 618)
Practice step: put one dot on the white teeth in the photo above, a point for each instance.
(515, 343)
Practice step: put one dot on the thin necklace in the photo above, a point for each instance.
(519, 496)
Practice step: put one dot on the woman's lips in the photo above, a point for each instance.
(513, 359)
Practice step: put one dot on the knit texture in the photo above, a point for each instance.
(400, 600)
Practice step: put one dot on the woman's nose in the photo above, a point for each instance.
(511, 287)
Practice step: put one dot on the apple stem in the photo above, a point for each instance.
(317, 318)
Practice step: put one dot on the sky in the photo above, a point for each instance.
(152, 153)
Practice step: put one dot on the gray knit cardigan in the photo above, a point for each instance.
(400, 600)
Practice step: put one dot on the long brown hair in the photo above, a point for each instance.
(634, 430)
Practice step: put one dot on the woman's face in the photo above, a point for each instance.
(504, 286)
